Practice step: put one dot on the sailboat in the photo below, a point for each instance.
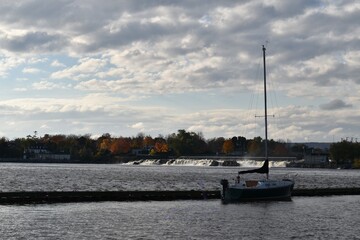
(257, 190)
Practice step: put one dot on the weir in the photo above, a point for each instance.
(97, 196)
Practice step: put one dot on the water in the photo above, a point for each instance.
(101, 177)
(302, 218)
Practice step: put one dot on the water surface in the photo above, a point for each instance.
(102, 177)
(301, 218)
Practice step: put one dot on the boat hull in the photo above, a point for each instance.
(281, 191)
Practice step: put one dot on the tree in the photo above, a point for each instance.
(345, 152)
(138, 141)
(279, 149)
(228, 146)
(215, 145)
(148, 141)
(187, 143)
(254, 146)
(105, 144)
(120, 146)
(85, 154)
(161, 147)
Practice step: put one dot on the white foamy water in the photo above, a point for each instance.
(247, 163)
(190, 162)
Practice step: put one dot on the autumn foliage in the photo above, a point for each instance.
(228, 146)
(120, 146)
(161, 147)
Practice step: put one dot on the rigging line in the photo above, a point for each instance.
(277, 112)
(254, 93)
(273, 99)
(254, 99)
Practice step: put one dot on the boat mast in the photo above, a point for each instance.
(265, 103)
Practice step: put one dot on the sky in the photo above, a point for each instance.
(157, 66)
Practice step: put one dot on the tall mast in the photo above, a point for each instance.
(265, 167)
(265, 103)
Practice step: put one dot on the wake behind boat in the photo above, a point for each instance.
(256, 190)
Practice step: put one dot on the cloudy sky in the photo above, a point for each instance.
(156, 66)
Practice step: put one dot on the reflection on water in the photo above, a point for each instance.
(301, 218)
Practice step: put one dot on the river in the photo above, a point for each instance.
(302, 218)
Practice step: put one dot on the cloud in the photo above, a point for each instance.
(8, 63)
(33, 42)
(336, 131)
(335, 104)
(57, 63)
(139, 126)
(46, 85)
(85, 67)
(129, 58)
(31, 70)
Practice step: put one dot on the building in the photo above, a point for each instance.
(318, 160)
(39, 153)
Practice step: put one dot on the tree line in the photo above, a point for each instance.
(182, 143)
(346, 153)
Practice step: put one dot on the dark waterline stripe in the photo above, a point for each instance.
(96, 196)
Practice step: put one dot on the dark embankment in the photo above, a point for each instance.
(96, 196)
(93, 196)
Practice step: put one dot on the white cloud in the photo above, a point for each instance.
(8, 63)
(35, 60)
(336, 131)
(86, 67)
(46, 85)
(57, 63)
(31, 70)
(139, 126)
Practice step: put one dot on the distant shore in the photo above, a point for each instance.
(21, 160)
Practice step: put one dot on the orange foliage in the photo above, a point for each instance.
(120, 145)
(228, 146)
(105, 144)
(161, 147)
(148, 141)
(58, 138)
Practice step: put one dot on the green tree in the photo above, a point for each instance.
(187, 143)
(215, 145)
(345, 152)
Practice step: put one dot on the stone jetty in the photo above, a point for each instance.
(97, 196)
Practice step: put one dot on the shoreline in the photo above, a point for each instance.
(226, 161)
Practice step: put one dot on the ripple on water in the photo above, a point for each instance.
(112, 177)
